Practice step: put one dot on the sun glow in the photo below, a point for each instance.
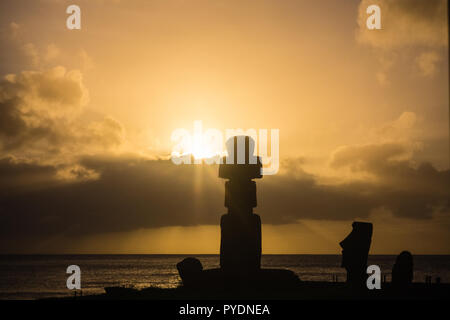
(204, 151)
(200, 150)
(201, 145)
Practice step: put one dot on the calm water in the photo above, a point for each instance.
(36, 276)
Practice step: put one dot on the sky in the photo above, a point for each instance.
(86, 118)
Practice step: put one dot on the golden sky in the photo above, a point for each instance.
(86, 118)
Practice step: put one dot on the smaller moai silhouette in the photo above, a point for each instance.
(355, 251)
(402, 271)
(240, 246)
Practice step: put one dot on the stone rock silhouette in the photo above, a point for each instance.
(402, 271)
(355, 253)
(190, 270)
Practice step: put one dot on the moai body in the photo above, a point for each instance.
(355, 252)
(403, 270)
(240, 246)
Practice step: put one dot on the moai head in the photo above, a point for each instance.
(241, 162)
(240, 167)
(356, 251)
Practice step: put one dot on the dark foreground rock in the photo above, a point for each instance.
(213, 279)
(304, 291)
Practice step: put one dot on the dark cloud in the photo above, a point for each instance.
(36, 108)
(132, 193)
(40, 116)
(389, 165)
(41, 107)
(15, 176)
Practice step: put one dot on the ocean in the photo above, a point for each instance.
(40, 276)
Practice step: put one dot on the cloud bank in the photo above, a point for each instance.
(131, 193)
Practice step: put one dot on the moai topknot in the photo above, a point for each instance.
(240, 247)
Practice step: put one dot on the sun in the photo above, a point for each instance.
(199, 145)
(204, 151)
(199, 150)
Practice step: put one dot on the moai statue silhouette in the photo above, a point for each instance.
(402, 272)
(240, 246)
(355, 251)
